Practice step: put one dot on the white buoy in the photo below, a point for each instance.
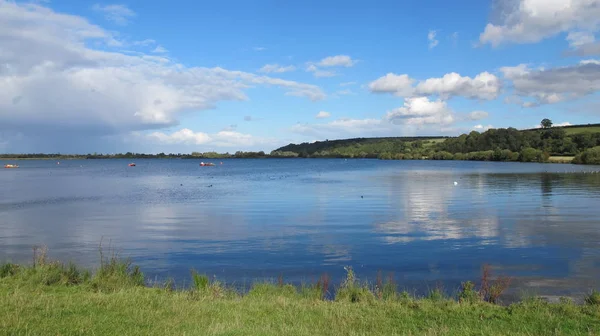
(455, 183)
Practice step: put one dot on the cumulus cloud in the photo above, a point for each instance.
(583, 43)
(432, 40)
(577, 39)
(323, 115)
(183, 136)
(224, 138)
(530, 21)
(553, 85)
(485, 86)
(337, 61)
(51, 80)
(119, 14)
(482, 128)
(400, 85)
(418, 115)
(276, 68)
(420, 110)
(587, 49)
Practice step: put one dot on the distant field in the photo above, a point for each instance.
(561, 159)
(432, 142)
(580, 130)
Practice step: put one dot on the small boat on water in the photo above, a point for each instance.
(202, 164)
(11, 166)
(131, 164)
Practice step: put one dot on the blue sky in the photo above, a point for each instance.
(182, 76)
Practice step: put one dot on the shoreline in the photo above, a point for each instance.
(50, 297)
(552, 159)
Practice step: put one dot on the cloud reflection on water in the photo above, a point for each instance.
(406, 217)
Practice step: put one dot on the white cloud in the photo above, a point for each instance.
(224, 138)
(160, 50)
(331, 61)
(268, 68)
(420, 110)
(183, 136)
(530, 21)
(482, 128)
(587, 49)
(478, 115)
(432, 40)
(337, 61)
(323, 115)
(484, 86)
(51, 81)
(318, 72)
(419, 115)
(119, 14)
(590, 61)
(400, 85)
(583, 43)
(347, 83)
(553, 85)
(578, 39)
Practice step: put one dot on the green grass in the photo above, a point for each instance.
(51, 298)
(580, 130)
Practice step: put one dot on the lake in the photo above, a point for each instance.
(247, 220)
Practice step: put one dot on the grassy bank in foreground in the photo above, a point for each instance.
(50, 298)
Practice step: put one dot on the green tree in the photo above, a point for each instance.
(589, 156)
(546, 123)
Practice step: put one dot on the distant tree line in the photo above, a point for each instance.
(503, 144)
(131, 155)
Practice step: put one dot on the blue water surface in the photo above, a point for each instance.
(251, 219)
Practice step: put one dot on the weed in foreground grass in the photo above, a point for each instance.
(490, 290)
(468, 293)
(352, 291)
(386, 290)
(203, 286)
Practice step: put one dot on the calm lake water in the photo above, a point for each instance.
(254, 219)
